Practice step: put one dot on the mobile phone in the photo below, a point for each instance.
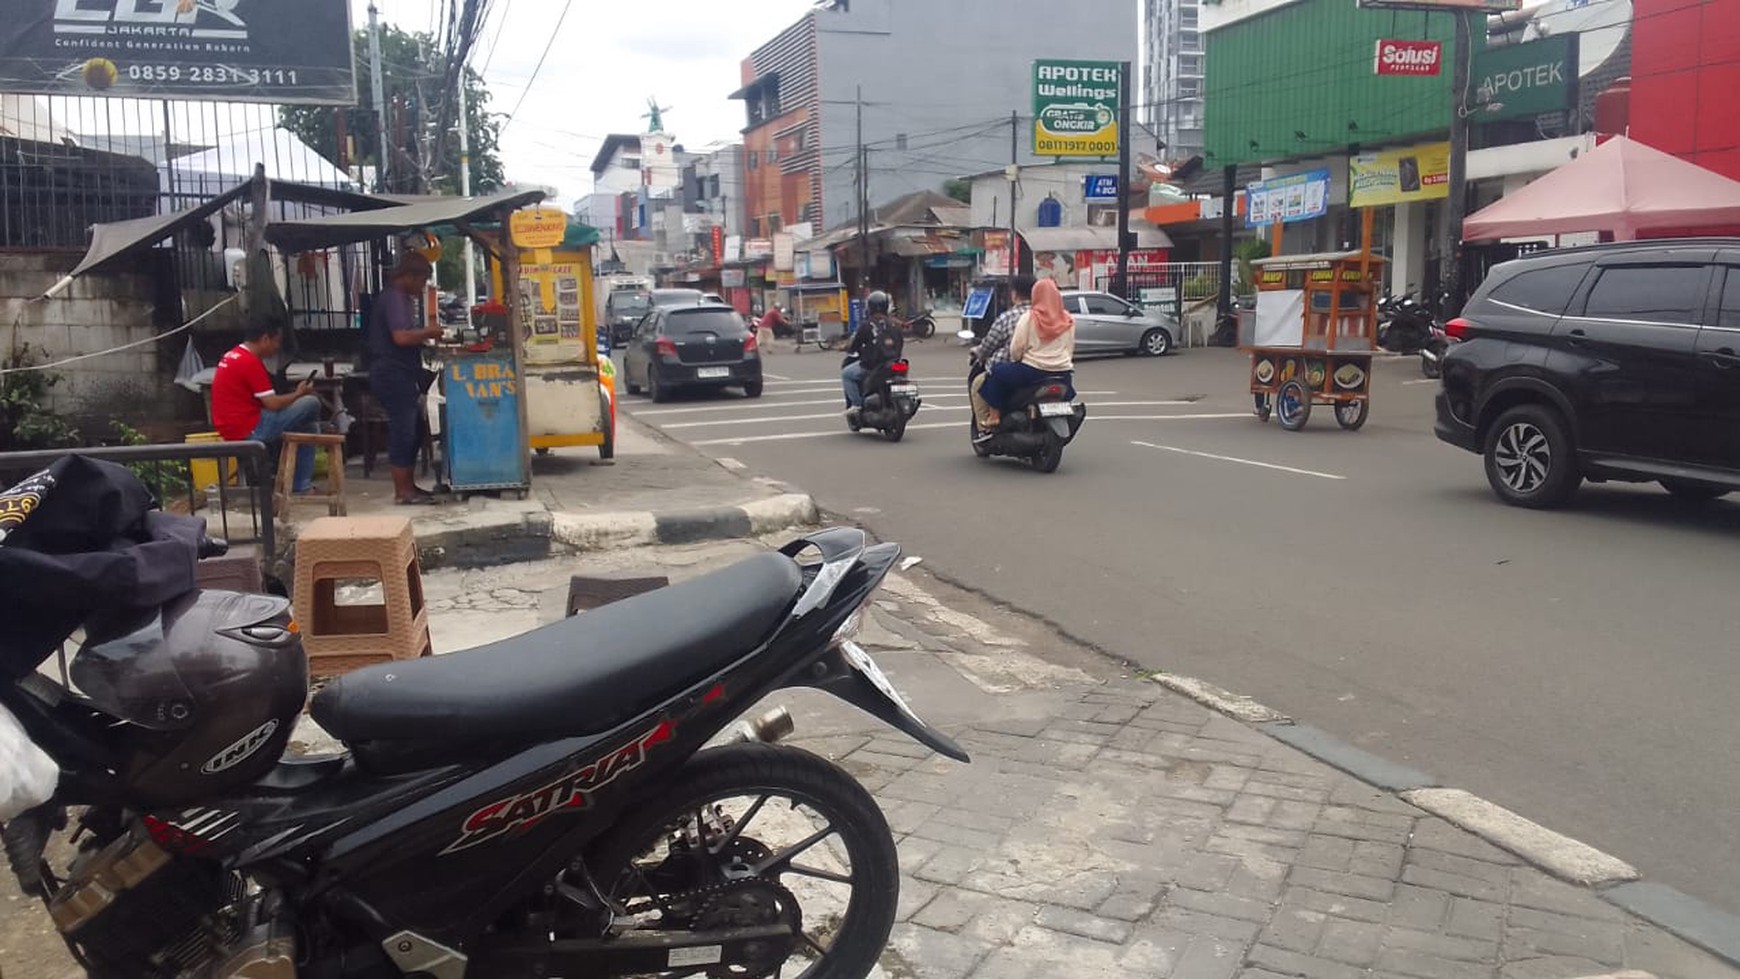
(312, 375)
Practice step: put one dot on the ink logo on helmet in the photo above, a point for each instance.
(203, 20)
(247, 747)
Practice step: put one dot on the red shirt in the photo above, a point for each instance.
(236, 390)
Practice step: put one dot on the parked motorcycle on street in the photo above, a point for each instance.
(541, 806)
(1039, 423)
(1404, 324)
(920, 327)
(890, 400)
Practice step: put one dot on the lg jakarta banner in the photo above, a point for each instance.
(287, 52)
(1399, 176)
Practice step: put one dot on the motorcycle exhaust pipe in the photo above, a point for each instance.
(769, 728)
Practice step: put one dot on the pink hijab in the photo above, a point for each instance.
(1050, 319)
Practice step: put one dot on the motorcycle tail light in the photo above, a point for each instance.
(1457, 328)
(1052, 392)
(900, 367)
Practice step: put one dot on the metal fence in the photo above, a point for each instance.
(241, 514)
(1177, 288)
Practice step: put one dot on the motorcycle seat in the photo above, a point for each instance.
(582, 675)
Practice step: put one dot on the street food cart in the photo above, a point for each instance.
(569, 388)
(821, 312)
(483, 427)
(1313, 335)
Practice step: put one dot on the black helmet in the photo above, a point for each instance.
(878, 303)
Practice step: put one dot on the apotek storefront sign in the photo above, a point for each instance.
(1519, 81)
(284, 51)
(1075, 107)
(1399, 176)
(1413, 58)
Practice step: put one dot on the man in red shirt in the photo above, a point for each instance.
(246, 407)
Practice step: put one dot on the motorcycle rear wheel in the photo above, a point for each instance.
(784, 787)
(1049, 456)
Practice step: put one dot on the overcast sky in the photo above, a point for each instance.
(606, 61)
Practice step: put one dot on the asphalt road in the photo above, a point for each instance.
(1576, 666)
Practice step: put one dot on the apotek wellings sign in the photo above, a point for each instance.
(282, 51)
(1075, 107)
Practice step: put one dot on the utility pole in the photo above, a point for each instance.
(1450, 248)
(1122, 288)
(1228, 193)
(465, 186)
(384, 164)
(863, 201)
(1014, 176)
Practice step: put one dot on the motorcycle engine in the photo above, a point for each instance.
(134, 911)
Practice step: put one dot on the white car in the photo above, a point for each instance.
(1106, 324)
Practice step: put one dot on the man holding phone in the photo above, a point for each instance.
(246, 407)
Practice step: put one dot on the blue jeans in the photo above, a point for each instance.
(852, 379)
(303, 415)
(1007, 379)
(398, 390)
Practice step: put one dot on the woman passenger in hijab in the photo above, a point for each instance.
(1043, 347)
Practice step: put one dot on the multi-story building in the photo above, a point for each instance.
(939, 83)
(1173, 76)
(713, 187)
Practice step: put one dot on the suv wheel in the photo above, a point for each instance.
(1692, 492)
(1530, 460)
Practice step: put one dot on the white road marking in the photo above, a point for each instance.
(779, 378)
(1166, 418)
(1242, 462)
(743, 439)
(730, 463)
(1423, 380)
(839, 432)
(766, 403)
(770, 419)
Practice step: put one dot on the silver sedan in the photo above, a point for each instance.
(1105, 324)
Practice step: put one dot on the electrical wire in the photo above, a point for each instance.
(550, 43)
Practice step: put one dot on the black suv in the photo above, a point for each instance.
(689, 347)
(1611, 362)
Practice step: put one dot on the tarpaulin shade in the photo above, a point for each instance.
(1623, 187)
(340, 229)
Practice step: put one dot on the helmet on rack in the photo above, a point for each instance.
(878, 302)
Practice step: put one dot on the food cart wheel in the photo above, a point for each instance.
(1351, 414)
(1293, 405)
(1265, 405)
(607, 448)
(542, 451)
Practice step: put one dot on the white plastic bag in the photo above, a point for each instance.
(28, 775)
(190, 367)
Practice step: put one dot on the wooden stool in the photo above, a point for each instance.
(283, 498)
(359, 550)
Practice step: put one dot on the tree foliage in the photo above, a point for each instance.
(960, 190)
(412, 75)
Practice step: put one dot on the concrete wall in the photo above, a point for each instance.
(97, 312)
(947, 75)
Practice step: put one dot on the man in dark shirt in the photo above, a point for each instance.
(994, 348)
(877, 342)
(395, 341)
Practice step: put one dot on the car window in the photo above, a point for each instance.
(1730, 312)
(1547, 290)
(1648, 293)
(1104, 305)
(707, 319)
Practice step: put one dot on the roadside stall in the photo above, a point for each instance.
(821, 313)
(483, 428)
(1313, 335)
(570, 390)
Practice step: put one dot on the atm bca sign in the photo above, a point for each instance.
(1414, 58)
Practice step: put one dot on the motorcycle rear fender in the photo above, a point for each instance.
(835, 675)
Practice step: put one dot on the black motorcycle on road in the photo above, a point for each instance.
(890, 400)
(1039, 422)
(542, 806)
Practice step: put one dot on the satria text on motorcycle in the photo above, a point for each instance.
(543, 806)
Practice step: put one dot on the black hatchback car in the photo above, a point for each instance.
(1610, 362)
(682, 347)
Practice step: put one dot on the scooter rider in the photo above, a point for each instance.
(877, 342)
(994, 348)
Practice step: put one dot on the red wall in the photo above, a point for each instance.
(1685, 76)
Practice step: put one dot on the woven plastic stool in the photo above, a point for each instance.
(283, 499)
(339, 632)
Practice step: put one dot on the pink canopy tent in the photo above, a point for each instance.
(1621, 186)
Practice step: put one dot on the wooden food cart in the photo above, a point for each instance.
(820, 312)
(1313, 335)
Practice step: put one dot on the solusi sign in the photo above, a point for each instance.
(228, 50)
(1416, 58)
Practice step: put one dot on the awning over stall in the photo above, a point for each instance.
(339, 229)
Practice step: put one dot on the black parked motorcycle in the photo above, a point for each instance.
(1039, 422)
(1404, 324)
(542, 806)
(890, 400)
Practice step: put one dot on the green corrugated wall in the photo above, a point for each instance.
(1308, 68)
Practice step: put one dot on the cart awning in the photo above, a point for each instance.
(342, 229)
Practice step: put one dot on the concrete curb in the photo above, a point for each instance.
(603, 531)
(1574, 862)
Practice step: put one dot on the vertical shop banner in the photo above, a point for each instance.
(1075, 107)
(784, 251)
(718, 243)
(997, 253)
(290, 52)
(1399, 176)
(1295, 197)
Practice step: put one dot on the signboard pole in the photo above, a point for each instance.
(1124, 134)
(1014, 173)
(1450, 256)
(384, 163)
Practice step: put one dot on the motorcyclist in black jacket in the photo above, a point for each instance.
(877, 342)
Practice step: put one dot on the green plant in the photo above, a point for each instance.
(166, 479)
(26, 422)
(1245, 252)
(1201, 287)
